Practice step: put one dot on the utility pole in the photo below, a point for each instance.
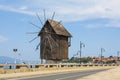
(102, 50)
(81, 46)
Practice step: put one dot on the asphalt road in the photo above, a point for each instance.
(62, 76)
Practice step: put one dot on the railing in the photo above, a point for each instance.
(19, 66)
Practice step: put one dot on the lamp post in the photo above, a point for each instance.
(81, 46)
(15, 50)
(74, 57)
(20, 57)
(118, 52)
(102, 50)
(78, 53)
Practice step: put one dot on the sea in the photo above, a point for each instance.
(8, 60)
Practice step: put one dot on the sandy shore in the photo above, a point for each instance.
(99, 76)
(112, 74)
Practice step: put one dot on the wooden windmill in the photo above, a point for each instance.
(54, 41)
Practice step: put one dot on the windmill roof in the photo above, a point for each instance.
(59, 28)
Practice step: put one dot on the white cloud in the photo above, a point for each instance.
(75, 10)
(71, 10)
(114, 23)
(2, 38)
(22, 9)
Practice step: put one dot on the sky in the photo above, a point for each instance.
(96, 23)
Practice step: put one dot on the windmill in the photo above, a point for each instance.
(54, 40)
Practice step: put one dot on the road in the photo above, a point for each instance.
(62, 76)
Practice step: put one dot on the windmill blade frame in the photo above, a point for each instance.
(33, 39)
(37, 47)
(34, 25)
(44, 14)
(53, 16)
(56, 45)
(32, 32)
(39, 19)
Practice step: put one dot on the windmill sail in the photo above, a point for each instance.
(54, 39)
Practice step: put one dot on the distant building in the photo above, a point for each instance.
(104, 59)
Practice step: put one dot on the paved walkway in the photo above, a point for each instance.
(73, 75)
(112, 74)
(92, 77)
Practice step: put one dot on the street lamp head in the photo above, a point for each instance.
(102, 50)
(15, 50)
(83, 45)
(118, 51)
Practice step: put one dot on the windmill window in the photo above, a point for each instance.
(69, 41)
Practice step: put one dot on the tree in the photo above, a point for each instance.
(77, 60)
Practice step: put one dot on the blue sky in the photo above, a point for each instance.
(94, 22)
